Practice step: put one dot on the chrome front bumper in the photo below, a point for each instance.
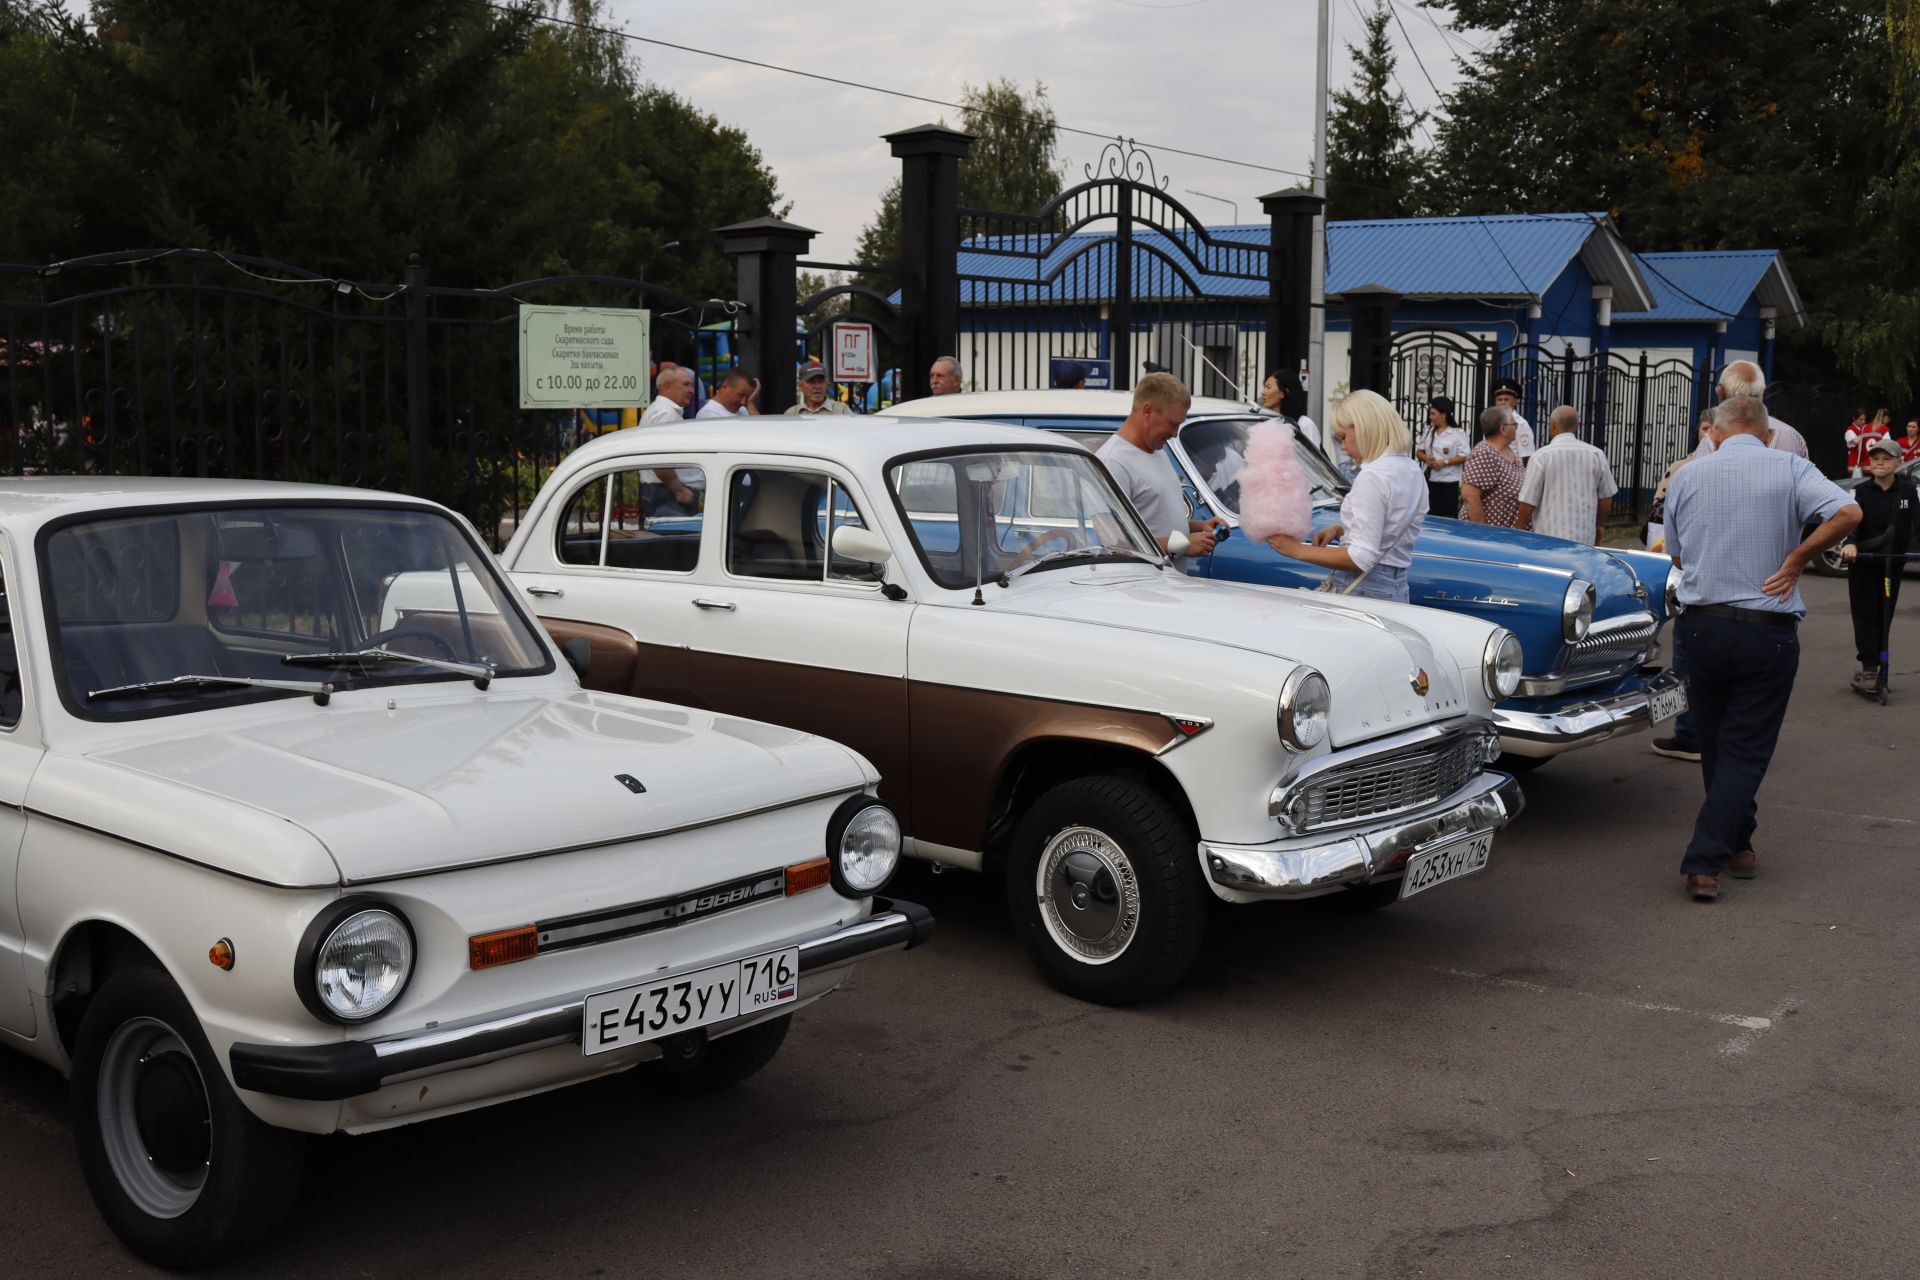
(1581, 724)
(1296, 868)
(348, 1068)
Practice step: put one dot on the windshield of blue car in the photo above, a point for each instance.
(975, 515)
(1218, 449)
(292, 595)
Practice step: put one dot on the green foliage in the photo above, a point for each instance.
(1374, 170)
(340, 135)
(1707, 124)
(1014, 166)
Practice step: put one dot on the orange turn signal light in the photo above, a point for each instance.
(802, 876)
(503, 946)
(221, 953)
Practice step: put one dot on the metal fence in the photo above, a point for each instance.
(196, 363)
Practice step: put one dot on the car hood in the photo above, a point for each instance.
(1369, 653)
(1617, 588)
(450, 782)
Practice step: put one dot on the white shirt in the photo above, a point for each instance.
(1148, 481)
(662, 412)
(1522, 445)
(1780, 436)
(1448, 443)
(1382, 512)
(714, 409)
(1564, 485)
(1308, 428)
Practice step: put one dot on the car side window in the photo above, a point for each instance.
(646, 518)
(12, 693)
(781, 526)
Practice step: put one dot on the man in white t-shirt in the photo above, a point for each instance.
(1135, 455)
(1506, 394)
(737, 396)
(674, 388)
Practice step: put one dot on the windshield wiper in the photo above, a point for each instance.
(321, 693)
(1075, 553)
(480, 673)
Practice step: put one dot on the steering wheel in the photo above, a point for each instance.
(1052, 535)
(381, 639)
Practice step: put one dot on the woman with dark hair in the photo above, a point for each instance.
(1443, 448)
(1273, 398)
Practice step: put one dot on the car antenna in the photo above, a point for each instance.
(980, 543)
(1237, 388)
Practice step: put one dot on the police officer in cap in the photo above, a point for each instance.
(1506, 394)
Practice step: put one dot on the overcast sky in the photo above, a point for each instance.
(1229, 78)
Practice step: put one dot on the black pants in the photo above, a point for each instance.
(1739, 677)
(1864, 583)
(1443, 498)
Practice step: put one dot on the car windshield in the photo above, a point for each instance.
(257, 602)
(978, 514)
(1218, 449)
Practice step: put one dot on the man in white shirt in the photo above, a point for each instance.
(1506, 394)
(737, 396)
(1569, 488)
(1135, 455)
(1743, 378)
(674, 385)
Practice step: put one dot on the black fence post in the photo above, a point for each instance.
(930, 156)
(419, 440)
(1370, 308)
(1640, 436)
(764, 251)
(1290, 289)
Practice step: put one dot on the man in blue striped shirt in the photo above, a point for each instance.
(1733, 526)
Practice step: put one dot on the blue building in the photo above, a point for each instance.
(1713, 308)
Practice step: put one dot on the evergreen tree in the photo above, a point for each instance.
(1374, 170)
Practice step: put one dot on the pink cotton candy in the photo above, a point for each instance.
(1274, 495)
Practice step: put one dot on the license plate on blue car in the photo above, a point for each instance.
(1668, 703)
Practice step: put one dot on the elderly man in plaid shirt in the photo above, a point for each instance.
(1733, 526)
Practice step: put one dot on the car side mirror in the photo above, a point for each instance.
(579, 656)
(851, 542)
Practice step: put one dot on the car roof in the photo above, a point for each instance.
(870, 440)
(1065, 403)
(32, 500)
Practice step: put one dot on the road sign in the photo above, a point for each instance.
(583, 357)
(852, 351)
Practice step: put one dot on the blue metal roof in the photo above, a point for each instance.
(1501, 256)
(1706, 286)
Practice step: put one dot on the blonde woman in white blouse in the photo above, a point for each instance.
(1371, 548)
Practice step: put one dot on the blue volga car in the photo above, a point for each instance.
(1589, 618)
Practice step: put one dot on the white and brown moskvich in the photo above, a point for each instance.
(276, 861)
(975, 609)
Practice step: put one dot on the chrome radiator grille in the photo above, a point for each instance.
(1382, 787)
(1612, 647)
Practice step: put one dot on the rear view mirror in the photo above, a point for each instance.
(854, 543)
(245, 539)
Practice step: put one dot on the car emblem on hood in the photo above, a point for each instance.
(1419, 681)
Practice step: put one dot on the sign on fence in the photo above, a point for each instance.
(583, 357)
(852, 351)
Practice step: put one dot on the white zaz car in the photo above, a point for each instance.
(269, 866)
(975, 609)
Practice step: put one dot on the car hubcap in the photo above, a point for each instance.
(1089, 895)
(154, 1118)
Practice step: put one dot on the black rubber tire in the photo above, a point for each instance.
(731, 1059)
(1162, 849)
(253, 1169)
(1517, 765)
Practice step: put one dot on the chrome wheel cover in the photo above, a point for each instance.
(1088, 894)
(138, 1047)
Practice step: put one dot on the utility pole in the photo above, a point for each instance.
(1314, 393)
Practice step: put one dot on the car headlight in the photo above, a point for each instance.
(354, 960)
(863, 847)
(1673, 590)
(1500, 664)
(1305, 704)
(1576, 611)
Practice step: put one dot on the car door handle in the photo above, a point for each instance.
(545, 591)
(725, 606)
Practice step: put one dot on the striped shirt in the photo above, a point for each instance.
(1734, 515)
(1564, 485)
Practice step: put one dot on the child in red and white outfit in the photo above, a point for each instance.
(1910, 442)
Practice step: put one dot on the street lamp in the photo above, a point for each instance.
(1232, 204)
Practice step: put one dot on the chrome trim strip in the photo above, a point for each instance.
(1487, 803)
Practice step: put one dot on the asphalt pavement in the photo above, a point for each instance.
(1560, 1068)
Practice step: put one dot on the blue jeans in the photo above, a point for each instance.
(1381, 584)
(1740, 677)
